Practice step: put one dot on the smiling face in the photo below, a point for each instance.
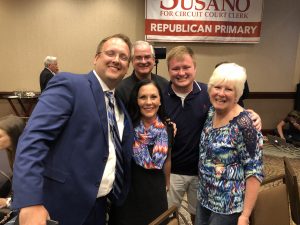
(223, 96)
(112, 62)
(143, 61)
(148, 101)
(182, 73)
(5, 141)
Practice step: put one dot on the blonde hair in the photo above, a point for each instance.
(178, 52)
(229, 72)
(119, 36)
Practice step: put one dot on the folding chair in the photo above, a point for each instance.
(170, 215)
(293, 190)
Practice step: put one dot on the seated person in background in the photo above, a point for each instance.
(292, 122)
(51, 68)
(11, 128)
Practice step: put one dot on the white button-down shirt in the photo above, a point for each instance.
(110, 167)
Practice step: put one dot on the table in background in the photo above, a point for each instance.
(27, 104)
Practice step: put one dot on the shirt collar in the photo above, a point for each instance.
(136, 78)
(50, 70)
(102, 84)
(196, 88)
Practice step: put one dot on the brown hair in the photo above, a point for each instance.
(14, 127)
(121, 36)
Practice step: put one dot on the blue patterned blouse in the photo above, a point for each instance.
(228, 156)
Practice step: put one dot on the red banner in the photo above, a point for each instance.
(203, 21)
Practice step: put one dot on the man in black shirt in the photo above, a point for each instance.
(143, 61)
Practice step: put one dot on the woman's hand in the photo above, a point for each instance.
(251, 193)
(279, 127)
(243, 220)
(174, 128)
(3, 203)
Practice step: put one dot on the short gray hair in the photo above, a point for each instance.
(143, 43)
(49, 60)
(231, 72)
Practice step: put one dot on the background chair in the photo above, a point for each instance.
(171, 214)
(272, 206)
(5, 188)
(293, 191)
(5, 184)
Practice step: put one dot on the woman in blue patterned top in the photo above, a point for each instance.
(230, 161)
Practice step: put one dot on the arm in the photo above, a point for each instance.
(167, 166)
(174, 128)
(167, 169)
(3, 203)
(280, 126)
(171, 130)
(33, 215)
(251, 159)
(252, 189)
(256, 119)
(42, 130)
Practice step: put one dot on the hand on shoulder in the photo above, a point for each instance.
(255, 119)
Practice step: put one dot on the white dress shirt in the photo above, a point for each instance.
(110, 167)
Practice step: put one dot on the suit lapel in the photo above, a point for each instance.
(127, 121)
(101, 107)
(99, 101)
(127, 138)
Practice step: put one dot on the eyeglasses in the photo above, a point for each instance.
(140, 58)
(113, 54)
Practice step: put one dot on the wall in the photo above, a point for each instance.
(71, 29)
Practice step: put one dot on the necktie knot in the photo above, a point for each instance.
(110, 96)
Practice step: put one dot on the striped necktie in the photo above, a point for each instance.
(119, 174)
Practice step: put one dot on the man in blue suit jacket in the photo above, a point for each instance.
(65, 162)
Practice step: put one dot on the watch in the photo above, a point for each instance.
(8, 202)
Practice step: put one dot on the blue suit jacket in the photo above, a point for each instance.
(63, 150)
